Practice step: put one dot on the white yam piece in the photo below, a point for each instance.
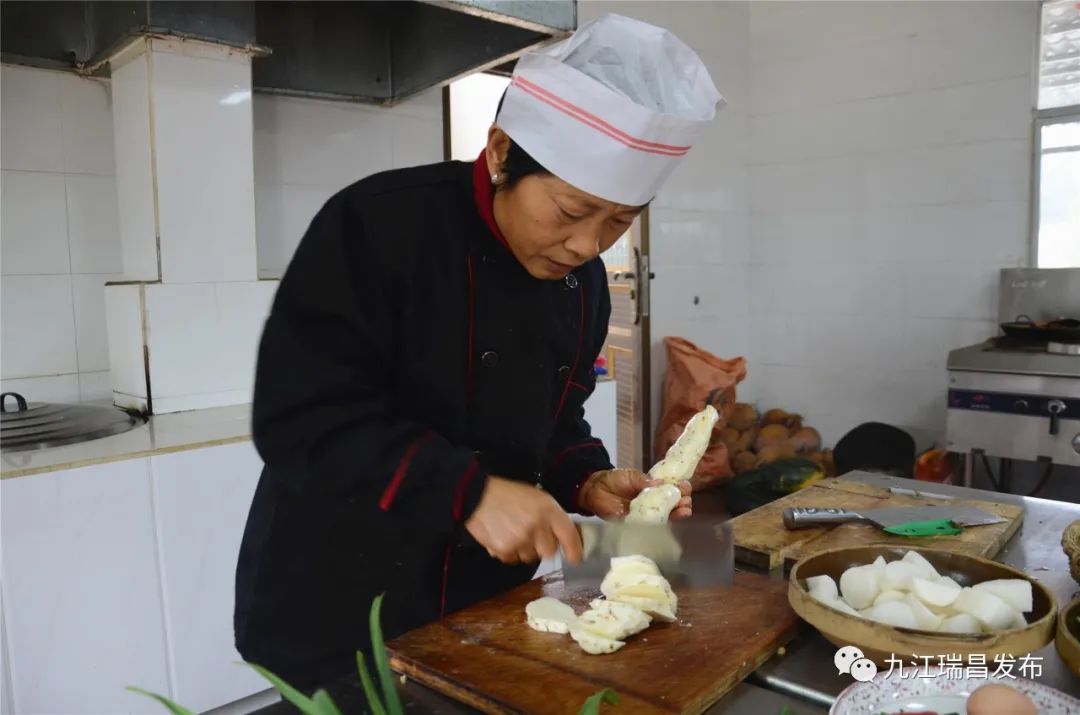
(889, 596)
(898, 575)
(682, 458)
(654, 504)
(926, 619)
(549, 615)
(991, 611)
(1016, 592)
(823, 585)
(616, 621)
(914, 557)
(949, 580)
(893, 613)
(935, 593)
(859, 585)
(960, 623)
(594, 644)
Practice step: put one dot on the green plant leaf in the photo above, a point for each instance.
(382, 662)
(370, 690)
(174, 708)
(322, 700)
(305, 704)
(592, 704)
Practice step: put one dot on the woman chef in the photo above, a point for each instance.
(418, 399)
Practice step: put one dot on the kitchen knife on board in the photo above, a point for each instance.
(904, 521)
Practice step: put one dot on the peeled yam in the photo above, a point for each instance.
(859, 585)
(991, 611)
(960, 623)
(593, 643)
(654, 504)
(622, 610)
(682, 458)
(935, 593)
(925, 619)
(549, 615)
(889, 596)
(928, 570)
(634, 562)
(1016, 592)
(823, 585)
(893, 613)
(616, 621)
(898, 575)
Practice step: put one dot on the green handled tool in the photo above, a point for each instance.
(902, 521)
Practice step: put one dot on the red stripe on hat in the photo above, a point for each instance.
(596, 122)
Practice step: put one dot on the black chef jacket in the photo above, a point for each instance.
(407, 356)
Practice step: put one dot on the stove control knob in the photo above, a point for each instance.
(1021, 405)
(1076, 442)
(1055, 407)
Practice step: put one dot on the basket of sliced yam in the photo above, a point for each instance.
(635, 593)
(890, 600)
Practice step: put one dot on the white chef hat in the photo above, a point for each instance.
(612, 109)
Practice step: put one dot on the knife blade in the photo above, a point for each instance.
(697, 552)
(805, 517)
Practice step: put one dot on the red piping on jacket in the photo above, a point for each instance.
(577, 355)
(445, 581)
(402, 469)
(484, 193)
(470, 332)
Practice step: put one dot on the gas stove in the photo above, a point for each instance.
(1017, 398)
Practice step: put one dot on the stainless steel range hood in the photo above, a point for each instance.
(375, 52)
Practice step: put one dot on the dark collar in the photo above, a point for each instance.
(484, 194)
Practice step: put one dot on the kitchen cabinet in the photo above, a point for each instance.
(81, 596)
(201, 500)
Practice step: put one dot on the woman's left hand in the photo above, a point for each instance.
(608, 493)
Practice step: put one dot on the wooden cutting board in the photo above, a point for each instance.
(762, 541)
(486, 657)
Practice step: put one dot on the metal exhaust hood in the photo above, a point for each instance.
(373, 52)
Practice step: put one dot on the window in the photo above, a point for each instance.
(1057, 138)
(473, 101)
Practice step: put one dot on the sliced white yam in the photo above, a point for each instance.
(898, 575)
(619, 562)
(927, 568)
(833, 602)
(1016, 592)
(879, 567)
(654, 504)
(926, 619)
(1018, 621)
(659, 610)
(859, 585)
(549, 615)
(634, 583)
(658, 545)
(823, 585)
(682, 458)
(594, 644)
(893, 613)
(614, 623)
(960, 623)
(991, 611)
(889, 596)
(948, 580)
(623, 610)
(934, 593)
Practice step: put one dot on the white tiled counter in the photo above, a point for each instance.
(119, 563)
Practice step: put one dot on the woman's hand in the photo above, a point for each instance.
(518, 523)
(608, 493)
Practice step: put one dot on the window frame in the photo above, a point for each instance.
(1043, 118)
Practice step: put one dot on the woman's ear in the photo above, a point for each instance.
(498, 146)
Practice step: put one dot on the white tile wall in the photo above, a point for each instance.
(890, 165)
(124, 307)
(30, 132)
(80, 567)
(308, 150)
(39, 326)
(93, 226)
(33, 223)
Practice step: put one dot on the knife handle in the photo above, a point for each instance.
(804, 517)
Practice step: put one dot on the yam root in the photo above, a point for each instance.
(770, 435)
(782, 417)
(805, 440)
(743, 417)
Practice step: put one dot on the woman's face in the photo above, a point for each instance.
(552, 227)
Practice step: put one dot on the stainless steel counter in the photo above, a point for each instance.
(807, 670)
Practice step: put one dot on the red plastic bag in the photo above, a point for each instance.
(696, 378)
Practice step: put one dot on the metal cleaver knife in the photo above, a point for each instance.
(907, 521)
(696, 552)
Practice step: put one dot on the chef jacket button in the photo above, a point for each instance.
(488, 260)
(490, 358)
(571, 280)
(564, 371)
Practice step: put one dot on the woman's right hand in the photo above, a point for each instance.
(518, 523)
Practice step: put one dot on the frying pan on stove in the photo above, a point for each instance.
(1064, 330)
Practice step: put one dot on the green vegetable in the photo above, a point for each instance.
(315, 705)
(592, 704)
(172, 707)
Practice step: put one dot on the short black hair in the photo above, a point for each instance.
(518, 163)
